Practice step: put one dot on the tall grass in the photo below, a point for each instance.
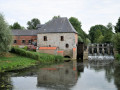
(15, 62)
(42, 57)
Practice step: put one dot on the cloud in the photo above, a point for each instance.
(89, 12)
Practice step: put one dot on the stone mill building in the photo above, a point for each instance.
(56, 37)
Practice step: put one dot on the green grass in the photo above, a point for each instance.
(41, 57)
(15, 62)
(22, 59)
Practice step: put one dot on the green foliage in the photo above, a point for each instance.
(100, 39)
(42, 57)
(33, 23)
(116, 41)
(56, 17)
(25, 48)
(117, 57)
(16, 25)
(5, 36)
(101, 34)
(87, 41)
(95, 30)
(117, 27)
(77, 25)
(15, 62)
(80, 39)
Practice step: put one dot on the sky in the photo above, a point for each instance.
(88, 12)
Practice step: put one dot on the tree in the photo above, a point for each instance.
(94, 32)
(117, 27)
(56, 17)
(100, 39)
(33, 23)
(80, 39)
(16, 25)
(53, 18)
(5, 36)
(77, 25)
(109, 34)
(116, 41)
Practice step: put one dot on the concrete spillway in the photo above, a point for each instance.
(100, 52)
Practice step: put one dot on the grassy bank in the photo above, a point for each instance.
(14, 62)
(22, 59)
(41, 57)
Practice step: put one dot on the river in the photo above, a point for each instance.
(72, 75)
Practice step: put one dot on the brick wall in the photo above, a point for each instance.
(26, 38)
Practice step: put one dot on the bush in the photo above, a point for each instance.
(25, 48)
(43, 58)
(117, 57)
(116, 41)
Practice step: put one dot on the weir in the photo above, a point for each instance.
(100, 52)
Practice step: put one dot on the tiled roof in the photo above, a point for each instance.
(58, 25)
(25, 32)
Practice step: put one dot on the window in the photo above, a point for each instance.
(67, 45)
(62, 38)
(29, 41)
(15, 41)
(45, 38)
(23, 41)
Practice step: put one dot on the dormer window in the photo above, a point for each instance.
(62, 38)
(45, 38)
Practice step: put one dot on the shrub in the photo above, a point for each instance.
(42, 57)
(25, 48)
(117, 57)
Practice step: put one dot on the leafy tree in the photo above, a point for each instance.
(33, 23)
(109, 34)
(100, 39)
(53, 18)
(56, 17)
(80, 39)
(16, 25)
(96, 31)
(77, 25)
(87, 41)
(5, 35)
(116, 41)
(117, 27)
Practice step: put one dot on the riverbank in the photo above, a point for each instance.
(14, 62)
(20, 59)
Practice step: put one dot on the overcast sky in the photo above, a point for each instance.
(89, 12)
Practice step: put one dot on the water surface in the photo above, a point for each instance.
(92, 75)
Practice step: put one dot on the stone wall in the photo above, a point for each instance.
(54, 40)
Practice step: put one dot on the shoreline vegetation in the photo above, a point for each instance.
(117, 56)
(19, 58)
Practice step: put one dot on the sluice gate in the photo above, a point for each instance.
(100, 52)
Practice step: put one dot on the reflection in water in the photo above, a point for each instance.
(5, 82)
(89, 75)
(59, 76)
